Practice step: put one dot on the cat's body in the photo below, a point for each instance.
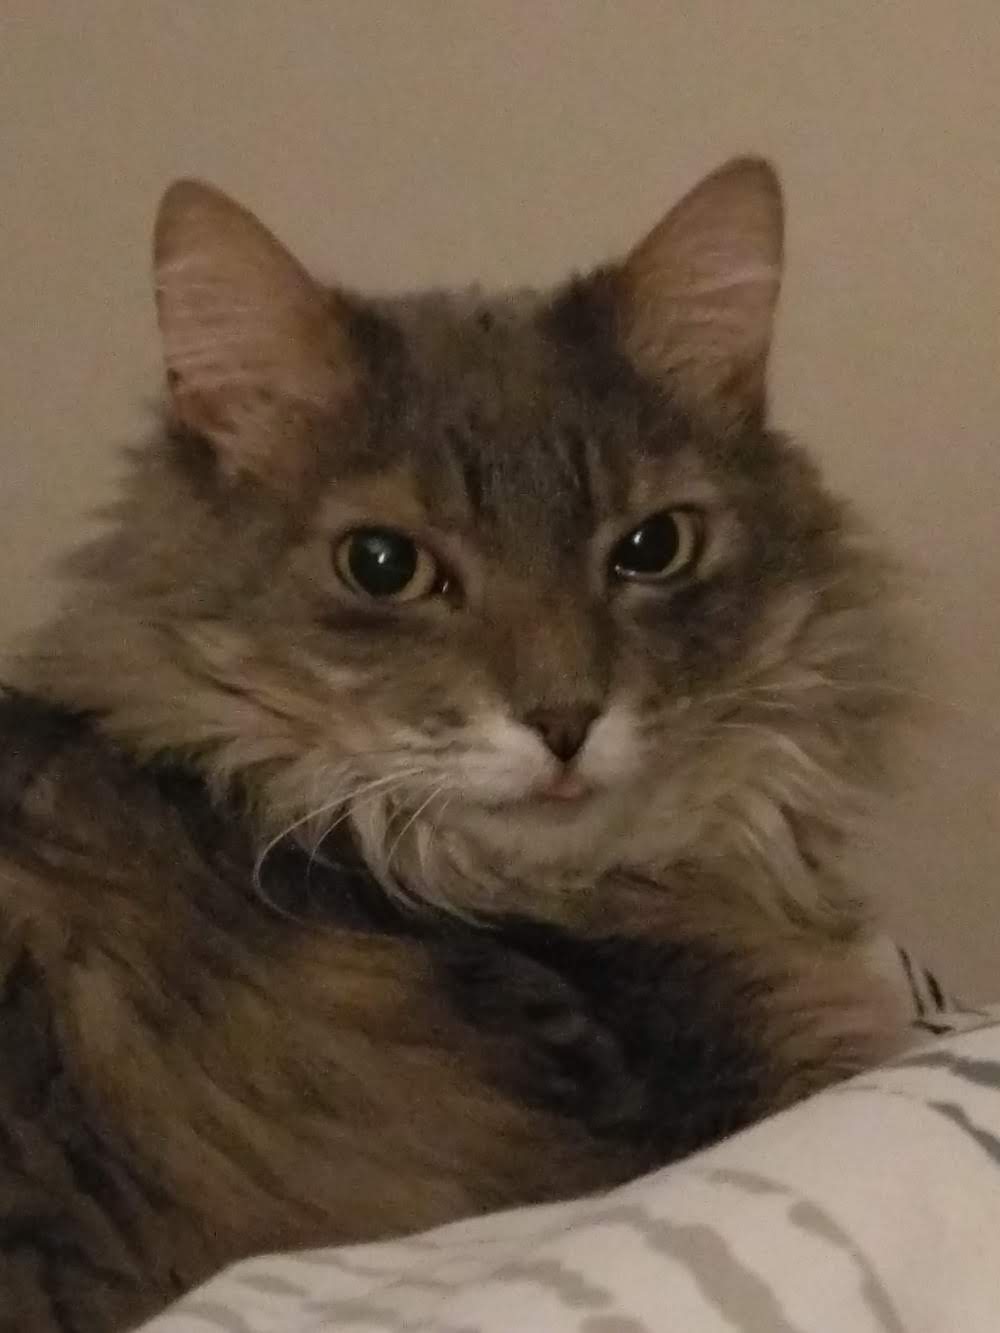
(190, 1075)
(432, 798)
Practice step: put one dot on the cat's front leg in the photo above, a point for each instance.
(559, 1054)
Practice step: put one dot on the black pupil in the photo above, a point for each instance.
(383, 563)
(650, 549)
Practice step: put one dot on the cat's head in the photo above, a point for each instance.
(522, 583)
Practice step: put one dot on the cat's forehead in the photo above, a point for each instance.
(499, 428)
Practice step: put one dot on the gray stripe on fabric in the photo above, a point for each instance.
(612, 1323)
(959, 1116)
(220, 1317)
(570, 1287)
(389, 1321)
(984, 1073)
(747, 1181)
(810, 1217)
(334, 1259)
(814, 1220)
(950, 1110)
(423, 1282)
(270, 1284)
(349, 1311)
(740, 1295)
(388, 1276)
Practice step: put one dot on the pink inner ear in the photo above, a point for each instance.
(245, 329)
(698, 294)
(204, 413)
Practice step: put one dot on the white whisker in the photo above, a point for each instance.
(345, 796)
(411, 821)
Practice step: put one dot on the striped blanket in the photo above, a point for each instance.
(871, 1208)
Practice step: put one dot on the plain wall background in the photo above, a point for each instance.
(403, 142)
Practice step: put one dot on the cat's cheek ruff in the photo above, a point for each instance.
(612, 754)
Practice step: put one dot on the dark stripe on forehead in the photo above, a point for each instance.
(579, 463)
(462, 447)
(515, 424)
(579, 326)
(548, 476)
(530, 488)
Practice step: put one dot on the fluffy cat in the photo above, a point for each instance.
(432, 796)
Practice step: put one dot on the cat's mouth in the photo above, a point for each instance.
(566, 787)
(562, 798)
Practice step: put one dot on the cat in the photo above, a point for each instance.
(433, 794)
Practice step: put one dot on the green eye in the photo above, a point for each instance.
(666, 545)
(385, 564)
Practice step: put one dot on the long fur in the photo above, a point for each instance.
(292, 950)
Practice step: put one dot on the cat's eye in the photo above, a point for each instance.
(666, 545)
(388, 565)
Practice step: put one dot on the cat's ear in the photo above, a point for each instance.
(249, 339)
(696, 298)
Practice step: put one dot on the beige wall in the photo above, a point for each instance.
(412, 141)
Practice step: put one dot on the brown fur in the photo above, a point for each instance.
(191, 1076)
(294, 949)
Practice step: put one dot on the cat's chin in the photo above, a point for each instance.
(545, 828)
(559, 805)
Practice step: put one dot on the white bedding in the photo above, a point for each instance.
(872, 1208)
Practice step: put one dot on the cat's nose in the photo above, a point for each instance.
(563, 730)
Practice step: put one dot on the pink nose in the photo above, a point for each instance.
(563, 730)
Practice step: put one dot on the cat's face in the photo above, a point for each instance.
(526, 575)
(535, 593)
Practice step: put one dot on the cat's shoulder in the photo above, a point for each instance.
(35, 736)
(91, 833)
(62, 780)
